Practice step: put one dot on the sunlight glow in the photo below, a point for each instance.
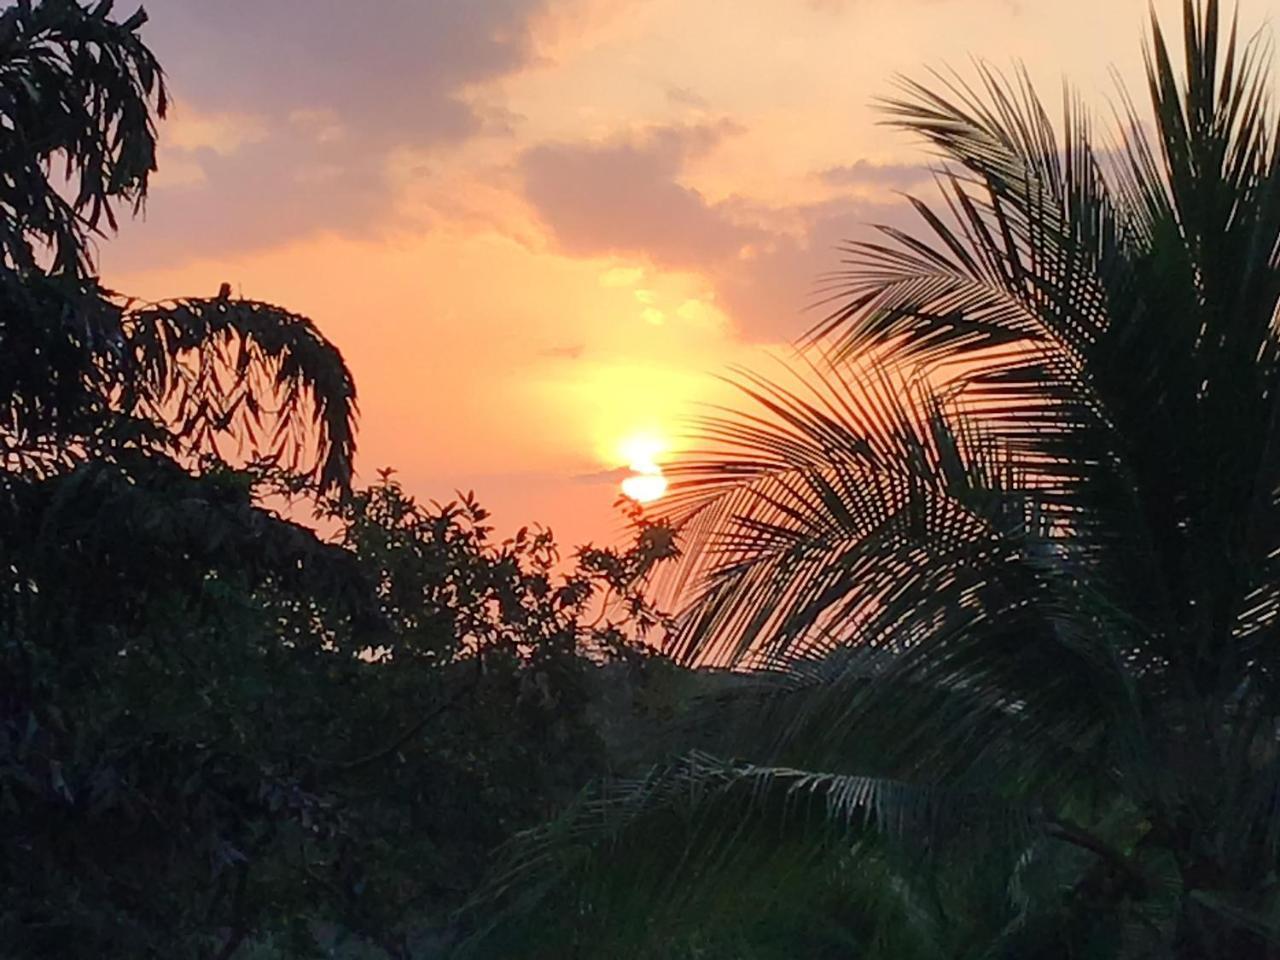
(641, 450)
(644, 487)
(646, 484)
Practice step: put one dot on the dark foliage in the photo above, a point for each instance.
(999, 562)
(220, 733)
(217, 726)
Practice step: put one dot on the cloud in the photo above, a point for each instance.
(598, 477)
(624, 197)
(686, 97)
(394, 69)
(892, 176)
(260, 195)
(223, 133)
(572, 351)
(288, 112)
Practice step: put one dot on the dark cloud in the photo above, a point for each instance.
(625, 198)
(383, 75)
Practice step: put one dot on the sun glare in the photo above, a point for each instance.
(646, 483)
(640, 452)
(644, 487)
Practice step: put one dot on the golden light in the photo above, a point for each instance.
(646, 483)
(641, 450)
(644, 487)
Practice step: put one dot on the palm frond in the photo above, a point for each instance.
(780, 835)
(217, 368)
(1024, 253)
(1110, 313)
(809, 517)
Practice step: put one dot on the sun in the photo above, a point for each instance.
(640, 451)
(646, 483)
(644, 487)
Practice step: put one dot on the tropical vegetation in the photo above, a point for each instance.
(996, 562)
(974, 596)
(220, 733)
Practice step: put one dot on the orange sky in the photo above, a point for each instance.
(538, 228)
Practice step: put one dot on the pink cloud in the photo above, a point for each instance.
(624, 197)
(288, 112)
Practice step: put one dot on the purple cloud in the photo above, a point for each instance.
(392, 69)
(624, 197)
(383, 75)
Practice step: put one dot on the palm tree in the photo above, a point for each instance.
(84, 370)
(998, 563)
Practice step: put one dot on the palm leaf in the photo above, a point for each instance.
(217, 368)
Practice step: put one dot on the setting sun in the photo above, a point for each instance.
(645, 487)
(646, 483)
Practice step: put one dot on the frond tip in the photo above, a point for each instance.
(217, 367)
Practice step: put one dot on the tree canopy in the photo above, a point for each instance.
(222, 734)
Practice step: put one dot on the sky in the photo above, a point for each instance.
(541, 231)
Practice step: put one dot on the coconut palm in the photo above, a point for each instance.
(998, 563)
(82, 369)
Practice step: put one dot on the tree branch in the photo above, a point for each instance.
(383, 752)
(1077, 836)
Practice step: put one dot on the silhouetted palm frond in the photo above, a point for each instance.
(219, 368)
(1013, 532)
(805, 517)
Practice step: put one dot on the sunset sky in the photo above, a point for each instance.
(537, 229)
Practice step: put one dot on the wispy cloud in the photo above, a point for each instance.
(894, 176)
(686, 97)
(566, 352)
(600, 477)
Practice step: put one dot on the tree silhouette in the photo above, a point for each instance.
(85, 369)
